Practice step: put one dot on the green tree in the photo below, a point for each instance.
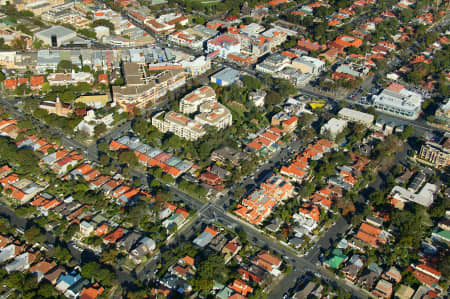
(251, 83)
(128, 158)
(71, 231)
(34, 235)
(62, 255)
(64, 65)
(94, 270)
(100, 129)
(104, 159)
(45, 87)
(46, 290)
(105, 23)
(273, 98)
(407, 132)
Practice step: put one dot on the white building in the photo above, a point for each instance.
(308, 64)
(274, 63)
(399, 101)
(226, 77)
(56, 36)
(178, 124)
(356, 116)
(276, 36)
(197, 66)
(333, 127)
(425, 197)
(223, 45)
(61, 79)
(258, 97)
(194, 38)
(101, 31)
(90, 121)
(214, 114)
(191, 102)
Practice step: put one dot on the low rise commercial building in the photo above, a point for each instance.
(165, 23)
(356, 116)
(226, 77)
(308, 64)
(274, 63)
(56, 36)
(62, 79)
(399, 101)
(194, 38)
(223, 45)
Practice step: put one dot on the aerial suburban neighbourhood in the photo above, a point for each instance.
(224, 149)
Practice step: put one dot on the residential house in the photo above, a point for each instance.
(393, 275)
(54, 275)
(92, 292)
(370, 276)
(75, 290)
(66, 280)
(383, 289)
(369, 235)
(205, 237)
(21, 262)
(354, 266)
(268, 262)
(42, 268)
(241, 287)
(335, 259)
(144, 247)
(231, 249)
(426, 274)
(114, 236)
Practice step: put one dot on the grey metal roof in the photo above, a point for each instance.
(56, 30)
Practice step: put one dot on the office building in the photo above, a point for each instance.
(399, 101)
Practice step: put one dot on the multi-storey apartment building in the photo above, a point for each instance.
(436, 153)
(215, 115)
(191, 102)
(37, 7)
(178, 124)
(141, 89)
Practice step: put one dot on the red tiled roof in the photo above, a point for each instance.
(36, 80)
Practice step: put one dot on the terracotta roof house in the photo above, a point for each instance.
(210, 178)
(42, 268)
(4, 241)
(4, 171)
(113, 237)
(36, 82)
(249, 276)
(231, 249)
(426, 274)
(267, 261)
(92, 292)
(241, 287)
